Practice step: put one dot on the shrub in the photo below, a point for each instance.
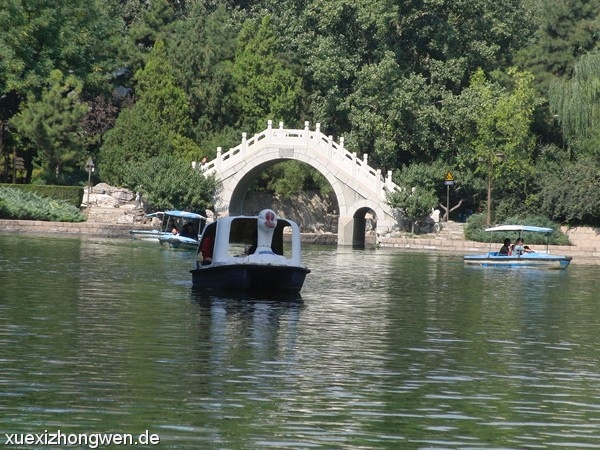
(19, 204)
(475, 230)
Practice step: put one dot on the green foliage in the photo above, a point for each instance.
(500, 146)
(18, 204)
(167, 182)
(147, 23)
(70, 194)
(565, 30)
(575, 103)
(570, 193)
(290, 178)
(502, 123)
(399, 128)
(475, 231)
(38, 36)
(201, 51)
(416, 203)
(395, 78)
(265, 86)
(52, 124)
(155, 125)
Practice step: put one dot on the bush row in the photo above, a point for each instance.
(26, 205)
(475, 231)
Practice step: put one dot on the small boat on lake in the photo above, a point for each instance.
(248, 253)
(530, 259)
(180, 230)
(149, 235)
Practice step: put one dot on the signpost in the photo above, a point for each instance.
(448, 181)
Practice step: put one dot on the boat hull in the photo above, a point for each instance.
(178, 242)
(146, 235)
(250, 277)
(529, 260)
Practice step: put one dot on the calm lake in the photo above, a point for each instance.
(386, 349)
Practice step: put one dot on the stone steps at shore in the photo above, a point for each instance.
(125, 214)
(452, 230)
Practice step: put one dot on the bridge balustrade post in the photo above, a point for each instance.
(269, 131)
(389, 184)
(281, 125)
(354, 164)
(306, 132)
(219, 160)
(244, 144)
(330, 148)
(378, 182)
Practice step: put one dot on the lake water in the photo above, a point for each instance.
(385, 350)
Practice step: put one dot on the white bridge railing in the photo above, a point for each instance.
(334, 153)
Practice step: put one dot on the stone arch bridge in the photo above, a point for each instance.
(359, 188)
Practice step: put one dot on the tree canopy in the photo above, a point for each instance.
(413, 82)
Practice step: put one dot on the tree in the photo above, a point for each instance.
(265, 87)
(576, 103)
(167, 182)
(146, 25)
(431, 176)
(156, 124)
(393, 115)
(415, 203)
(570, 192)
(201, 51)
(565, 30)
(52, 125)
(502, 143)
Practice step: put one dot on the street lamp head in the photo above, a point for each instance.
(89, 165)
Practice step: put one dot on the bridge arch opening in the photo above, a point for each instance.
(239, 200)
(364, 220)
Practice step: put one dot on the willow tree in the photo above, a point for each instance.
(576, 105)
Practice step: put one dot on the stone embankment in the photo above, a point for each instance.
(113, 217)
(585, 248)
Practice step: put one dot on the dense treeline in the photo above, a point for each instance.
(503, 94)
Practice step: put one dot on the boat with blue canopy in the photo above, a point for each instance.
(180, 230)
(526, 259)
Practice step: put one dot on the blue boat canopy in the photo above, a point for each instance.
(521, 228)
(185, 214)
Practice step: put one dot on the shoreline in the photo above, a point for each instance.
(580, 254)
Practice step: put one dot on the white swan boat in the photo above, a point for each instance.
(533, 259)
(249, 254)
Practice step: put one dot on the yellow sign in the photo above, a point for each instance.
(449, 177)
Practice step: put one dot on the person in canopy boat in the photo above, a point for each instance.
(505, 249)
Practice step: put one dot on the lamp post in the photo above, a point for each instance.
(498, 157)
(89, 165)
